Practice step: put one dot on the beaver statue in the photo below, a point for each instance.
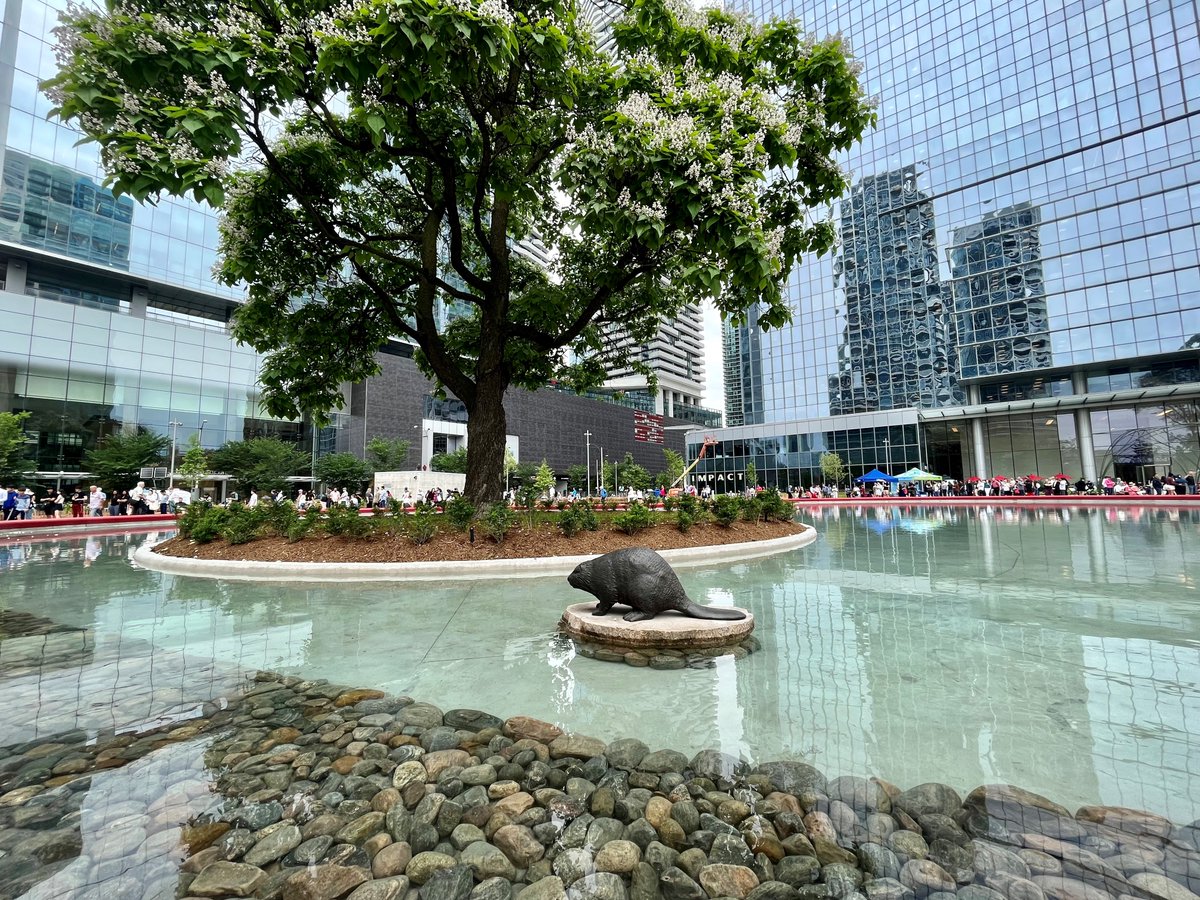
(642, 580)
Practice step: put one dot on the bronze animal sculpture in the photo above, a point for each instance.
(642, 580)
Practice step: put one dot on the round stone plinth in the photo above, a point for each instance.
(669, 630)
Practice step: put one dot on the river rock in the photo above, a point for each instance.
(618, 857)
(524, 727)
(1013, 886)
(800, 870)
(519, 845)
(931, 797)
(720, 880)
(792, 777)
(325, 882)
(422, 866)
(449, 884)
(392, 860)
(717, 766)
(1161, 886)
(227, 879)
(626, 753)
(471, 719)
(887, 889)
(600, 886)
(676, 884)
(840, 879)
(274, 846)
(773, 890)
(863, 795)
(487, 861)
(580, 746)
(1131, 821)
(572, 864)
(547, 888)
(926, 877)
(661, 761)
(1058, 887)
(878, 861)
(381, 889)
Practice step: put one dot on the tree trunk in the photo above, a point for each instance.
(487, 426)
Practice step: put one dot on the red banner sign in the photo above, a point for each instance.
(648, 428)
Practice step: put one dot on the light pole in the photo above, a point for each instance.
(174, 423)
(587, 436)
(887, 449)
(62, 428)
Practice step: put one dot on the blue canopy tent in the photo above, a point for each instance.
(876, 475)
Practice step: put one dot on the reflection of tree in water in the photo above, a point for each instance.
(237, 599)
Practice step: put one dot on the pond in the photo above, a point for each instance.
(1055, 649)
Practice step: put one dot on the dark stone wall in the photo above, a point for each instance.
(549, 423)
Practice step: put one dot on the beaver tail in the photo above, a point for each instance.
(696, 611)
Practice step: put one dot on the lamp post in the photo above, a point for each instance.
(587, 480)
(174, 423)
(887, 449)
(62, 428)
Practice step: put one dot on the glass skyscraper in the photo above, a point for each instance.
(109, 316)
(1017, 287)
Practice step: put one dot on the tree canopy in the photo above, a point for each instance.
(387, 454)
(15, 462)
(380, 159)
(260, 463)
(343, 470)
(117, 461)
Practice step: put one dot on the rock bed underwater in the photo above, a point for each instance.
(304, 790)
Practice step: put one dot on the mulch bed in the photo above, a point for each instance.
(544, 540)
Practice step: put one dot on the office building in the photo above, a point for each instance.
(1017, 287)
(112, 322)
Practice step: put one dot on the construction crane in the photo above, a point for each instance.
(673, 490)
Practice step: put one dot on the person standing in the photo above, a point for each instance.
(78, 498)
(22, 503)
(96, 498)
(253, 499)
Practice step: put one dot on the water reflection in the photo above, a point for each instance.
(949, 644)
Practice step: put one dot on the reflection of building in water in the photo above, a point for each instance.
(999, 293)
(896, 349)
(905, 650)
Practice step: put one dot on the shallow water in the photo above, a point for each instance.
(1057, 650)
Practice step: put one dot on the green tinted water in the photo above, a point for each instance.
(1054, 650)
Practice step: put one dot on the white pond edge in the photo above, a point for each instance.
(455, 570)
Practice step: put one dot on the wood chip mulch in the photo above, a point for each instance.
(544, 540)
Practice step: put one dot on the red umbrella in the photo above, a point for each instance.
(1034, 478)
(1062, 475)
(974, 479)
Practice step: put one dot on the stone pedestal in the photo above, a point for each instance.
(668, 630)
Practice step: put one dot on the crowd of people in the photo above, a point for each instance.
(23, 502)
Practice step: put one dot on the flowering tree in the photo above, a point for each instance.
(379, 158)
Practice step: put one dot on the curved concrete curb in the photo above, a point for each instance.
(457, 570)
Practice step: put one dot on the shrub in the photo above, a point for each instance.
(460, 511)
(568, 523)
(421, 526)
(342, 520)
(774, 508)
(498, 521)
(669, 503)
(726, 508)
(209, 525)
(684, 520)
(578, 516)
(299, 529)
(279, 517)
(243, 524)
(692, 505)
(636, 518)
(751, 509)
(190, 517)
(587, 515)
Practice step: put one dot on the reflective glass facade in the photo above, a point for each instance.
(111, 319)
(1024, 214)
(52, 199)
